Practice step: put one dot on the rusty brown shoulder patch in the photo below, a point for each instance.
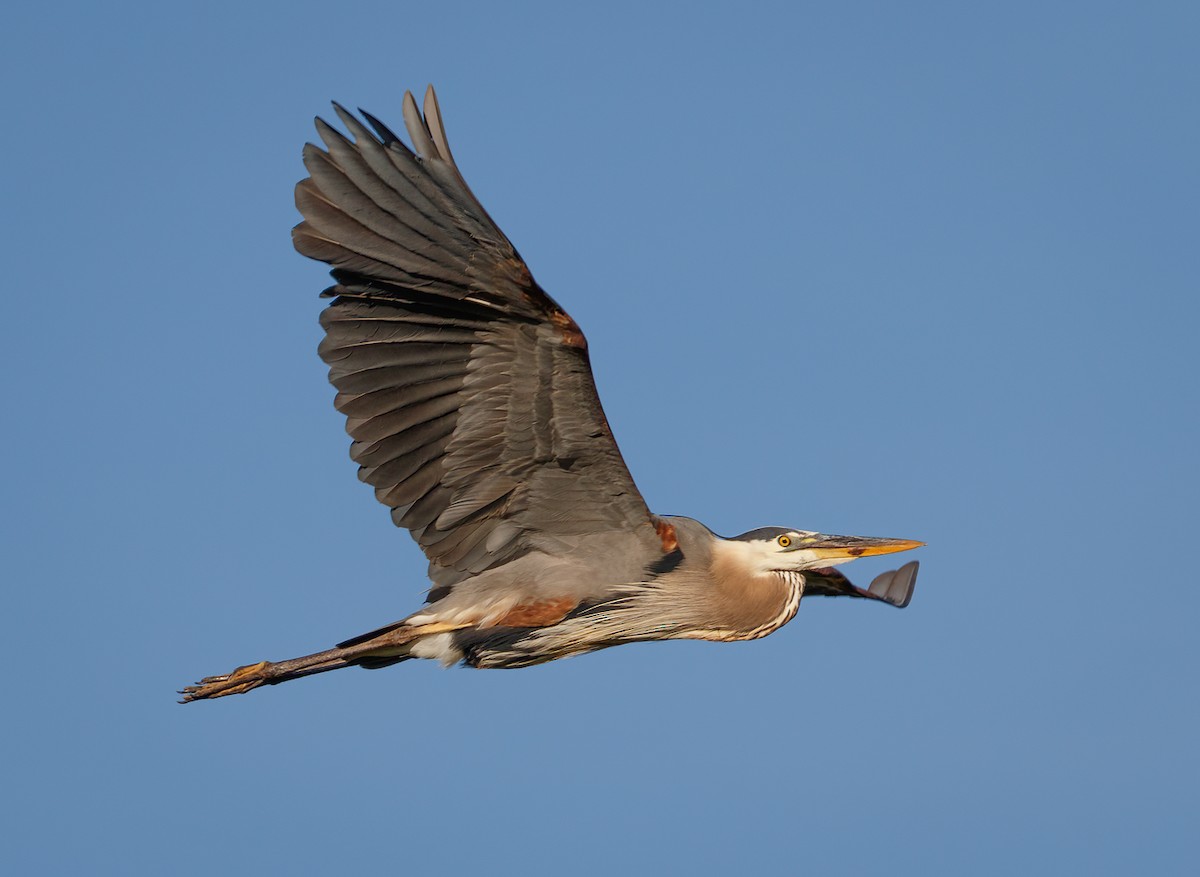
(540, 614)
(666, 533)
(572, 335)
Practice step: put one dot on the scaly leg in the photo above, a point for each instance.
(393, 643)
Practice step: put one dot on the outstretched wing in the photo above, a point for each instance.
(466, 388)
(894, 586)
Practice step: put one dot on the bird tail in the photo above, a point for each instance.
(381, 648)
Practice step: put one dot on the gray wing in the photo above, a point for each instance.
(894, 586)
(466, 388)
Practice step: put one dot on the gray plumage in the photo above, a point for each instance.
(469, 398)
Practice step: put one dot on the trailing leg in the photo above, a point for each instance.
(387, 647)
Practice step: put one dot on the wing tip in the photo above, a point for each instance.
(896, 586)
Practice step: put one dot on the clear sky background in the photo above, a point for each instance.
(925, 270)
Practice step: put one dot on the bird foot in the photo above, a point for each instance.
(241, 680)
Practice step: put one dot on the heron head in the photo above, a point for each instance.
(776, 549)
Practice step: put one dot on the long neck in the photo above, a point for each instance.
(737, 603)
(719, 596)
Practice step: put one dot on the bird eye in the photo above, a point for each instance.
(784, 541)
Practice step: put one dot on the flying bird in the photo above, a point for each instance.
(469, 397)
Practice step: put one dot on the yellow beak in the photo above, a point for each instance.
(850, 547)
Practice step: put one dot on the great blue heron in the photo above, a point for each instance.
(470, 399)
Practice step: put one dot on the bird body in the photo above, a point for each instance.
(469, 397)
(700, 588)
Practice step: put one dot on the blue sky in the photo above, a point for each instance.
(918, 270)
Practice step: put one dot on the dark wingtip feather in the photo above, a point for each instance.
(352, 124)
(386, 134)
